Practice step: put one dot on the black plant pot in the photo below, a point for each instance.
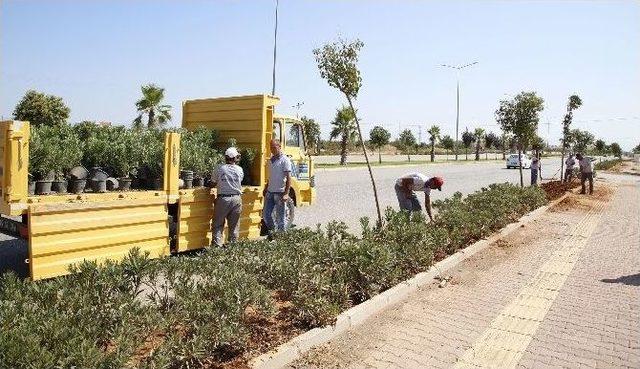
(43, 187)
(97, 174)
(186, 174)
(77, 185)
(125, 184)
(31, 188)
(79, 172)
(188, 183)
(157, 184)
(98, 186)
(112, 184)
(198, 182)
(59, 186)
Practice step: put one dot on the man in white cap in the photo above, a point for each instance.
(228, 204)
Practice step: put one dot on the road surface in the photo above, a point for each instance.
(346, 194)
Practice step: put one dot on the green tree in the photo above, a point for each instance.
(407, 142)
(434, 135)
(337, 63)
(447, 143)
(490, 140)
(537, 144)
(378, 138)
(468, 139)
(581, 140)
(574, 103)
(600, 146)
(479, 135)
(345, 128)
(41, 110)
(636, 150)
(151, 105)
(616, 150)
(311, 133)
(520, 117)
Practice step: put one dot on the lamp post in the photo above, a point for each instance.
(275, 47)
(458, 68)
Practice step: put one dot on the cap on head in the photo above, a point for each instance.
(438, 182)
(231, 153)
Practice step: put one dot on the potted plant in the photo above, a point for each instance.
(152, 158)
(42, 159)
(67, 158)
(123, 158)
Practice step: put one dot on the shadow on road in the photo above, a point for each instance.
(13, 253)
(629, 280)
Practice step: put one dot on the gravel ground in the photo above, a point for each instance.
(346, 194)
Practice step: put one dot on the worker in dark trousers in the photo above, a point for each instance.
(586, 173)
(228, 204)
(406, 187)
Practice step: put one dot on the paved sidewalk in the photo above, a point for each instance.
(562, 292)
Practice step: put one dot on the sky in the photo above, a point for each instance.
(96, 55)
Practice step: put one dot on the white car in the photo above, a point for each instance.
(512, 161)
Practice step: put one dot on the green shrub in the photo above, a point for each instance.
(607, 164)
(53, 150)
(190, 311)
(198, 151)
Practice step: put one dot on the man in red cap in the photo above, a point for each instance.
(407, 185)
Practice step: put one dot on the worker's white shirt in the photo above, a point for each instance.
(585, 166)
(570, 163)
(418, 184)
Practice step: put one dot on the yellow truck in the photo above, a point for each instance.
(65, 229)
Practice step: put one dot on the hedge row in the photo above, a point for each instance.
(193, 311)
(607, 164)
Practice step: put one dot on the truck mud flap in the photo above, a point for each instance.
(68, 233)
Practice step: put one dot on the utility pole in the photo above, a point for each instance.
(275, 48)
(458, 68)
(298, 106)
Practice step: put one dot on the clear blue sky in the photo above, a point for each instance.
(96, 54)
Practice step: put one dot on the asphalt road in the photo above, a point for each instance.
(346, 194)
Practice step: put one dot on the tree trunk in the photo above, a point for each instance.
(478, 151)
(562, 164)
(151, 122)
(409, 157)
(366, 157)
(433, 152)
(486, 155)
(466, 153)
(520, 166)
(446, 152)
(343, 149)
(380, 155)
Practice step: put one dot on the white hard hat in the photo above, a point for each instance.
(231, 152)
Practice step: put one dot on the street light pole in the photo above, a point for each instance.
(458, 68)
(275, 47)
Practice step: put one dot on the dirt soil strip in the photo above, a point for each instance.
(294, 349)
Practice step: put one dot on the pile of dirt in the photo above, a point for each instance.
(555, 189)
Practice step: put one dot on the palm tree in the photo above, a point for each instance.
(344, 127)
(151, 104)
(434, 135)
(479, 135)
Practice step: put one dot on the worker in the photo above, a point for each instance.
(276, 191)
(568, 173)
(228, 203)
(535, 168)
(409, 183)
(586, 173)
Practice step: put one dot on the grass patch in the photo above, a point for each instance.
(607, 164)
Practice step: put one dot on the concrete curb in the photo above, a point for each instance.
(290, 351)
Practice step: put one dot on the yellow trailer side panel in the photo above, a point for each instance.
(14, 166)
(196, 214)
(64, 234)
